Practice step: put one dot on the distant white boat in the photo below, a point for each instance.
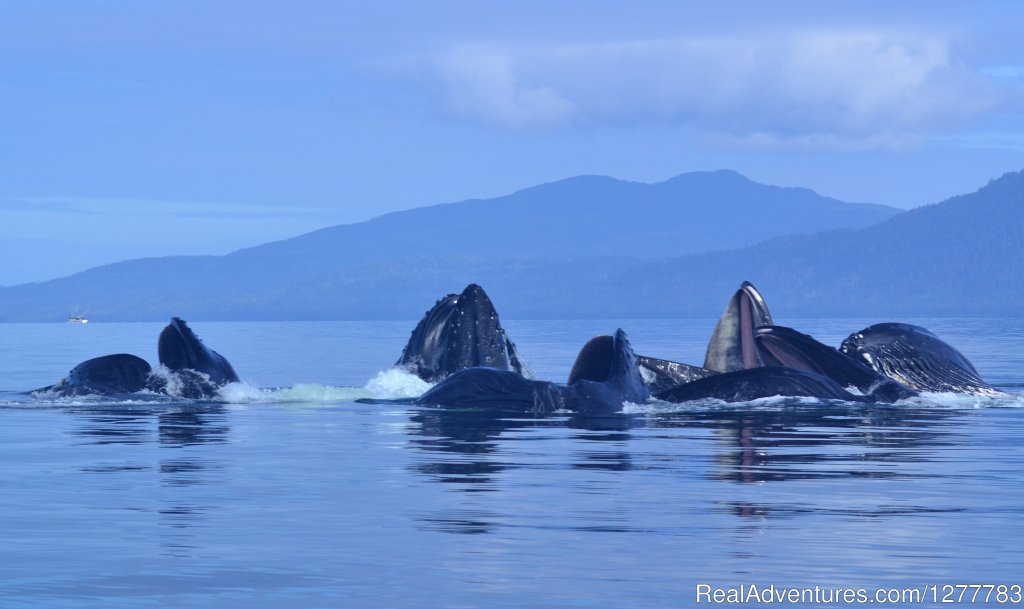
(77, 319)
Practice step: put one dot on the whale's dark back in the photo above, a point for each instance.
(120, 373)
(756, 383)
(483, 388)
(605, 376)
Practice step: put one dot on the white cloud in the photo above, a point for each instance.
(835, 84)
(483, 86)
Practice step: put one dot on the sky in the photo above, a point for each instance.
(131, 129)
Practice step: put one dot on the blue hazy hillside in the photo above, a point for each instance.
(579, 217)
(584, 216)
(961, 257)
(591, 247)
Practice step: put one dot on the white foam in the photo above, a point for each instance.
(174, 382)
(396, 383)
(634, 408)
(245, 393)
(655, 406)
(49, 400)
(964, 400)
(924, 400)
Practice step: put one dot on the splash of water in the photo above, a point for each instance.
(387, 384)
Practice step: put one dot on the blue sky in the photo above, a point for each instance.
(134, 129)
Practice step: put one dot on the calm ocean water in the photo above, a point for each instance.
(289, 494)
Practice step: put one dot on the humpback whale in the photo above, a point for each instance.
(782, 346)
(916, 358)
(198, 371)
(117, 374)
(745, 339)
(732, 343)
(459, 331)
(193, 370)
(604, 376)
(761, 382)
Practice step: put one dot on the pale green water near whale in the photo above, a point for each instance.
(300, 497)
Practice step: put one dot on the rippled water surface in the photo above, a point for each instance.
(289, 494)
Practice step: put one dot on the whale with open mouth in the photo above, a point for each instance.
(884, 363)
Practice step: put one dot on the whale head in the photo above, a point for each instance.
(732, 343)
(913, 356)
(180, 349)
(460, 331)
(605, 375)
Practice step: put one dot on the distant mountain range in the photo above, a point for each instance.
(585, 216)
(961, 257)
(591, 247)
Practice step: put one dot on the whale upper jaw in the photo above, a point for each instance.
(732, 346)
(180, 349)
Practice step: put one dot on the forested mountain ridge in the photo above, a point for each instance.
(962, 256)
